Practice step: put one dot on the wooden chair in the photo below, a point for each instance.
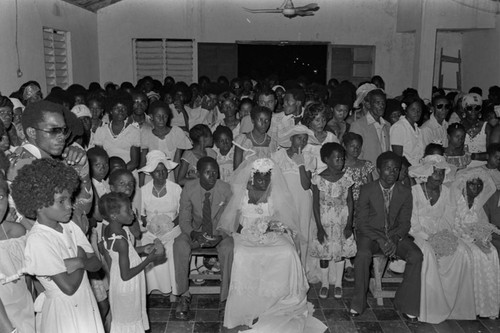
(205, 252)
(380, 275)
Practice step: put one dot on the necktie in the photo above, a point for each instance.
(387, 202)
(207, 215)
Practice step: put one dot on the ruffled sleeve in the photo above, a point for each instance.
(180, 138)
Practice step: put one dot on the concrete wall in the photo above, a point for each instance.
(481, 64)
(351, 22)
(33, 15)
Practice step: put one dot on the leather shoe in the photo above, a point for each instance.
(182, 308)
(409, 319)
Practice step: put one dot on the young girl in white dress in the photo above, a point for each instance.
(223, 139)
(127, 291)
(159, 211)
(57, 251)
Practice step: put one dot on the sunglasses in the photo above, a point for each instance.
(473, 108)
(55, 131)
(444, 105)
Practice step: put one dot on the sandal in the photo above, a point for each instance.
(323, 292)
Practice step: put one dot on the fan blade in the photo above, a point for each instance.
(311, 7)
(256, 11)
(304, 13)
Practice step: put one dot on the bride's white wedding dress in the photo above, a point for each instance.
(268, 282)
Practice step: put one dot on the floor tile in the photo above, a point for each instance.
(492, 325)
(394, 327)
(208, 302)
(334, 315)
(191, 315)
(203, 327)
(472, 326)
(368, 327)
(342, 327)
(159, 315)
(207, 316)
(157, 327)
(318, 313)
(448, 326)
(386, 314)
(180, 327)
(331, 303)
(155, 302)
(420, 327)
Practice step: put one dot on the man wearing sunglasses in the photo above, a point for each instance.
(434, 129)
(46, 133)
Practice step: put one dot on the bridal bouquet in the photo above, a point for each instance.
(480, 231)
(444, 243)
(263, 229)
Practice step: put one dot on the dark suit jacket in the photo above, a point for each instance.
(191, 205)
(370, 211)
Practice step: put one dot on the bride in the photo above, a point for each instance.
(268, 290)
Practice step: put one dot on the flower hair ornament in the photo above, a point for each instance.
(262, 165)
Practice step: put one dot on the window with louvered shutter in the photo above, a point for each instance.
(56, 46)
(160, 58)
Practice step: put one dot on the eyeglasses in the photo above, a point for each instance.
(444, 105)
(473, 108)
(55, 131)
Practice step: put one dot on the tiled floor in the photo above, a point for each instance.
(207, 315)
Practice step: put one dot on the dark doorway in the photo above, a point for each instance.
(285, 60)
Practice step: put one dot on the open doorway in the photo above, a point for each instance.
(287, 60)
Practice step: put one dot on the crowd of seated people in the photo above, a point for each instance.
(105, 193)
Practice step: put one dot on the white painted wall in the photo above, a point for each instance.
(351, 22)
(481, 50)
(33, 15)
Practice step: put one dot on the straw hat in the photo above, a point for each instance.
(155, 157)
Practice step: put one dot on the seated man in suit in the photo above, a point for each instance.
(201, 205)
(383, 222)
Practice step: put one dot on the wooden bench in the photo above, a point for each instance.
(380, 275)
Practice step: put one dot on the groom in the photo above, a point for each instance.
(201, 204)
(382, 222)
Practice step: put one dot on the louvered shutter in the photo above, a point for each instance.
(179, 60)
(149, 59)
(159, 58)
(56, 58)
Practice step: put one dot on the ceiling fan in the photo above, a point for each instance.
(288, 9)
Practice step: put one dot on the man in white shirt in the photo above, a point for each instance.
(435, 129)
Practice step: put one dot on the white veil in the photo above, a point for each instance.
(279, 198)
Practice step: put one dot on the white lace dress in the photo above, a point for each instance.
(486, 267)
(267, 279)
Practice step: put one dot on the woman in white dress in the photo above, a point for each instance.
(315, 118)
(296, 167)
(268, 284)
(447, 290)
(470, 190)
(160, 208)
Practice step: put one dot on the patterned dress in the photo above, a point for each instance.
(360, 177)
(334, 214)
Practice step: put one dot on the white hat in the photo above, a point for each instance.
(284, 139)
(155, 157)
(17, 103)
(81, 110)
(361, 93)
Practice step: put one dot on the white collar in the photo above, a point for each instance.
(370, 120)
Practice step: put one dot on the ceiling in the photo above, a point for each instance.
(92, 5)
